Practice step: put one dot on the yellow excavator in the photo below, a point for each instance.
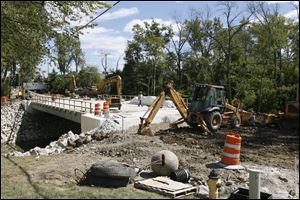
(207, 110)
(110, 89)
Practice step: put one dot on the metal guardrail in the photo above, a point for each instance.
(76, 105)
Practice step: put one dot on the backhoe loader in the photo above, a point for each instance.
(207, 110)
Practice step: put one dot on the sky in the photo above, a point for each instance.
(113, 29)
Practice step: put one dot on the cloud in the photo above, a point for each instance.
(103, 39)
(128, 27)
(279, 2)
(99, 40)
(292, 14)
(121, 13)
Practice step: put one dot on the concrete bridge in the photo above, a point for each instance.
(78, 110)
(82, 111)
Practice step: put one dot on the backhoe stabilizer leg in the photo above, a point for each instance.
(176, 123)
(203, 125)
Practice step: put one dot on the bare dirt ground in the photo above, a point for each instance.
(274, 152)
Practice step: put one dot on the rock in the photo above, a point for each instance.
(79, 142)
(63, 142)
(52, 144)
(34, 152)
(88, 139)
(283, 179)
(27, 153)
(228, 183)
(71, 143)
(17, 154)
(70, 134)
(292, 192)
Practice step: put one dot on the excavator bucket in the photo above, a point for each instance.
(144, 129)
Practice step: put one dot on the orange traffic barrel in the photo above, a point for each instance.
(232, 147)
(3, 100)
(105, 107)
(97, 109)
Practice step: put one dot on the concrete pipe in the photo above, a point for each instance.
(164, 162)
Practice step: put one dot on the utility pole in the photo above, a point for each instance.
(118, 61)
(104, 56)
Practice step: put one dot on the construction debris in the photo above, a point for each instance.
(166, 186)
(71, 140)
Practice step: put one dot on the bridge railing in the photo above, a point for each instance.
(76, 105)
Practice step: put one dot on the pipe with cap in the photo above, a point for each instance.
(254, 184)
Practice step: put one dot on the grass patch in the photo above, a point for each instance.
(18, 180)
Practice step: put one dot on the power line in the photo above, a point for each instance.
(100, 14)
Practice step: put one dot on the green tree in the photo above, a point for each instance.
(28, 29)
(152, 40)
(87, 77)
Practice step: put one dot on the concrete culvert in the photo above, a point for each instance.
(164, 162)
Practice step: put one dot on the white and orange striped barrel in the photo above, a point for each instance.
(105, 107)
(232, 147)
(97, 109)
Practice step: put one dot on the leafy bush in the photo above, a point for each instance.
(87, 77)
(5, 89)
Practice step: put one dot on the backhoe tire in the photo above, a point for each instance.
(213, 120)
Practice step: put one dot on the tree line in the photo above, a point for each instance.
(254, 54)
(255, 58)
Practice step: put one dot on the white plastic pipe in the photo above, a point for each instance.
(254, 185)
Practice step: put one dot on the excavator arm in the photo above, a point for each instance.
(157, 103)
(153, 109)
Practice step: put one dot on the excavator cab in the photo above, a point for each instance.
(207, 97)
(206, 107)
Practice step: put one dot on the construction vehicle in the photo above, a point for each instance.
(286, 118)
(23, 93)
(208, 109)
(110, 89)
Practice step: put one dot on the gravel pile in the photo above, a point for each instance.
(11, 118)
(70, 140)
(109, 126)
(148, 100)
